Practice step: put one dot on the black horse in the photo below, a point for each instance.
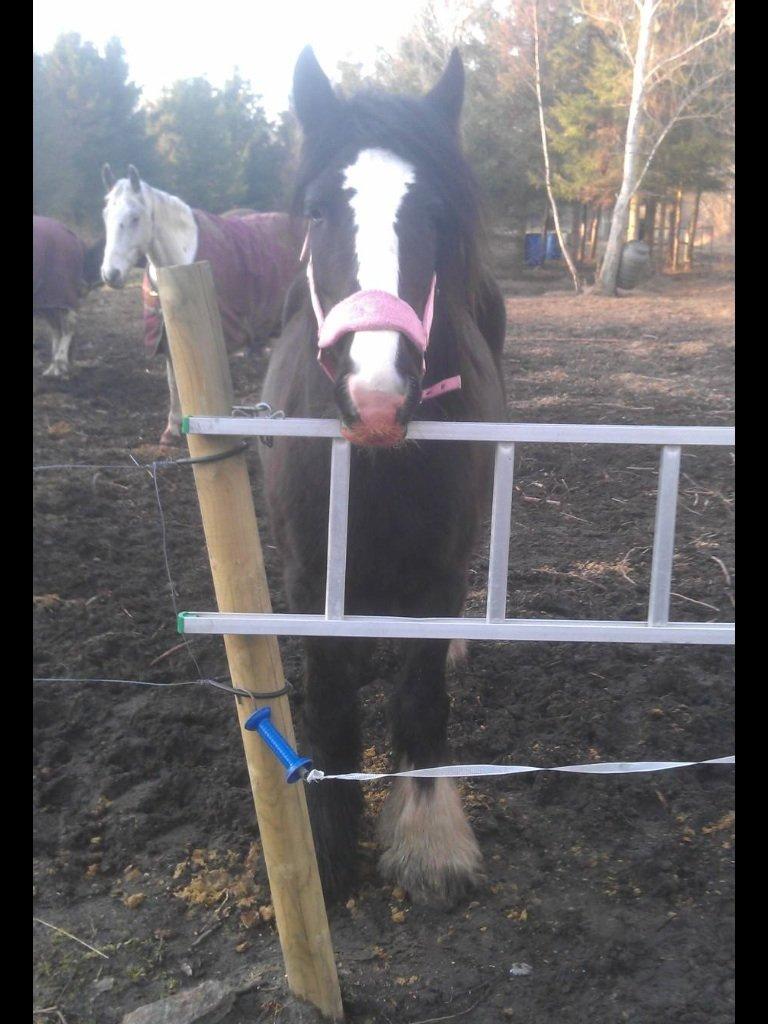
(393, 213)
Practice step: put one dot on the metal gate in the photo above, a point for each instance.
(655, 628)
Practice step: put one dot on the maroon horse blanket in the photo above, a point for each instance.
(57, 265)
(253, 260)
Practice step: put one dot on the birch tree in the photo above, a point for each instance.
(680, 53)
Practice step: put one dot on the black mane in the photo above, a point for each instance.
(411, 129)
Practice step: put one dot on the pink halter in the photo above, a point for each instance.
(374, 310)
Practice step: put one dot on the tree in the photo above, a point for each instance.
(545, 147)
(680, 52)
(270, 162)
(499, 120)
(588, 117)
(259, 147)
(696, 157)
(52, 186)
(86, 112)
(193, 144)
(219, 151)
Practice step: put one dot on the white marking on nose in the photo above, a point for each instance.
(380, 181)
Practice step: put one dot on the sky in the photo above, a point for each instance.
(165, 40)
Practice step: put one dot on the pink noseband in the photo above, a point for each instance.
(375, 311)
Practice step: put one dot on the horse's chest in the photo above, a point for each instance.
(411, 511)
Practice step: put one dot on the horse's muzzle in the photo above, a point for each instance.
(377, 415)
(374, 418)
(113, 278)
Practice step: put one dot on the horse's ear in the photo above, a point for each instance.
(313, 97)
(447, 95)
(107, 177)
(134, 178)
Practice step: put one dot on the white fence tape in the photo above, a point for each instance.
(462, 771)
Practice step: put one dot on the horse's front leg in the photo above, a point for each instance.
(430, 849)
(332, 732)
(172, 433)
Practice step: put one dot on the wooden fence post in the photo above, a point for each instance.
(201, 368)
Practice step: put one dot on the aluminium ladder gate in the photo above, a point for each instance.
(656, 628)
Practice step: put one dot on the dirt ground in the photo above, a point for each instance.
(607, 900)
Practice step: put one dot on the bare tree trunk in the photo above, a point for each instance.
(545, 151)
(606, 281)
(594, 234)
(679, 229)
(675, 218)
(649, 225)
(661, 233)
(583, 228)
(693, 225)
(632, 221)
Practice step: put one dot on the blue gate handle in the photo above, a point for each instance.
(296, 766)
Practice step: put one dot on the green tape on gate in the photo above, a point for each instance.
(185, 424)
(180, 621)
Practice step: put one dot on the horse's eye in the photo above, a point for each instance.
(316, 214)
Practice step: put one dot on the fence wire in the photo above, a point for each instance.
(151, 468)
(219, 683)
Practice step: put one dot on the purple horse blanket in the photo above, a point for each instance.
(57, 266)
(253, 260)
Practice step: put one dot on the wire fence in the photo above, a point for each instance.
(152, 468)
(220, 683)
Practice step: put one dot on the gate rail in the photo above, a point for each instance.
(656, 628)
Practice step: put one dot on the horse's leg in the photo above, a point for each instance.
(62, 330)
(332, 733)
(458, 652)
(172, 433)
(43, 330)
(430, 848)
(65, 345)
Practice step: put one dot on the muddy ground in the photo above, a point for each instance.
(614, 894)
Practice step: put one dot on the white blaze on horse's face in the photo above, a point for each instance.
(380, 181)
(128, 229)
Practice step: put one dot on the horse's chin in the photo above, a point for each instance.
(116, 285)
(371, 435)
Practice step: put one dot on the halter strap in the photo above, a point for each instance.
(374, 310)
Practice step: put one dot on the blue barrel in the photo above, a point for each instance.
(552, 251)
(534, 250)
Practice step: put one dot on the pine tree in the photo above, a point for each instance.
(86, 112)
(218, 149)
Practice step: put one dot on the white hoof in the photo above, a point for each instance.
(55, 370)
(431, 849)
(458, 651)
